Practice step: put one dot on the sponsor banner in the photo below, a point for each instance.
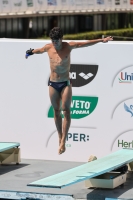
(17, 5)
(81, 107)
(31, 195)
(101, 2)
(40, 2)
(117, 2)
(101, 107)
(5, 6)
(126, 77)
(39, 5)
(131, 2)
(91, 2)
(124, 110)
(123, 79)
(31, 5)
(52, 2)
(123, 140)
(109, 2)
(125, 2)
(80, 140)
(82, 74)
(129, 108)
(22, 6)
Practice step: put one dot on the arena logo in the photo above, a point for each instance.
(82, 74)
(81, 106)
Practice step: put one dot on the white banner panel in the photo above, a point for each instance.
(18, 6)
(5, 6)
(125, 4)
(131, 4)
(101, 108)
(90, 4)
(100, 4)
(33, 6)
(41, 5)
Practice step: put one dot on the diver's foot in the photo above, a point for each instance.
(62, 148)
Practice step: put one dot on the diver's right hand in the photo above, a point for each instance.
(29, 53)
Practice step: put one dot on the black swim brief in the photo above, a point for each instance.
(59, 85)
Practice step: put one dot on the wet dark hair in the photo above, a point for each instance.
(56, 33)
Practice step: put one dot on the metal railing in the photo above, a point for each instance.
(118, 37)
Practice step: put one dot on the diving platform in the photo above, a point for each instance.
(8, 145)
(15, 178)
(9, 152)
(87, 170)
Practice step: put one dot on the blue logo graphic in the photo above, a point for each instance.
(129, 109)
